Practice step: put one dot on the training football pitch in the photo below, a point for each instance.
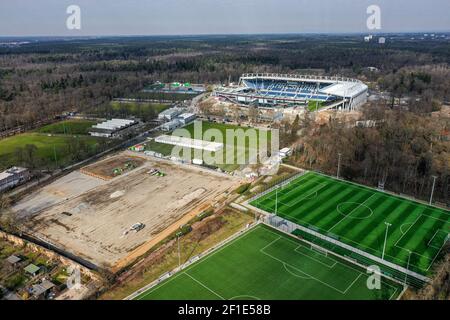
(240, 148)
(357, 216)
(266, 264)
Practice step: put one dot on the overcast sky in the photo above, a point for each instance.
(162, 17)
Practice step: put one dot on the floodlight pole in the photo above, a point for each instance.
(339, 165)
(432, 190)
(407, 266)
(385, 238)
(54, 153)
(276, 200)
(179, 254)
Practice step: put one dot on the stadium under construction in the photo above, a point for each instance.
(283, 90)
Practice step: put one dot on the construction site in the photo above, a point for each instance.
(114, 211)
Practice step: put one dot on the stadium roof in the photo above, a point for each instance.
(297, 77)
(345, 89)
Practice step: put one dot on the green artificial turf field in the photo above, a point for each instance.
(315, 105)
(356, 215)
(266, 264)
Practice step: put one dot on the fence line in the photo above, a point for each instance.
(388, 192)
(277, 185)
(190, 262)
(293, 226)
(289, 227)
(330, 252)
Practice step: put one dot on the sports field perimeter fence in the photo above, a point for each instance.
(345, 251)
(190, 262)
(276, 184)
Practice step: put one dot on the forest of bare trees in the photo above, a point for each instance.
(43, 79)
(405, 148)
(402, 150)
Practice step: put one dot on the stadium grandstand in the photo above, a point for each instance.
(283, 90)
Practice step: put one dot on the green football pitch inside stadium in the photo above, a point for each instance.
(266, 264)
(357, 215)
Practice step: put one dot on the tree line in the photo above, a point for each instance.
(394, 148)
(43, 79)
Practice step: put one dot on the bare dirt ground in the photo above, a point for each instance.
(96, 224)
(63, 189)
(323, 117)
(105, 169)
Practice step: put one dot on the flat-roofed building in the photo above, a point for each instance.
(186, 118)
(13, 177)
(111, 128)
(41, 289)
(13, 259)
(171, 125)
(190, 143)
(32, 269)
(170, 114)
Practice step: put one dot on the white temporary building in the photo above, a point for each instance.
(190, 143)
(114, 124)
(111, 128)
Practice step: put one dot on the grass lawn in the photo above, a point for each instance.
(231, 152)
(356, 215)
(169, 96)
(315, 105)
(74, 127)
(266, 264)
(164, 149)
(144, 111)
(136, 108)
(46, 148)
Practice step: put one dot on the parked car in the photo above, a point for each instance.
(137, 227)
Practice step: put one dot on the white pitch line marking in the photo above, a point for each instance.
(350, 212)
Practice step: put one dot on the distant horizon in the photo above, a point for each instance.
(105, 18)
(228, 34)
